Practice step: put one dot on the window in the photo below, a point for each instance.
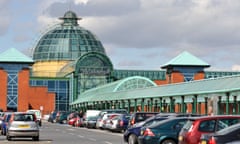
(207, 126)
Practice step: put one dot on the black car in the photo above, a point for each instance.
(226, 135)
(91, 121)
(163, 132)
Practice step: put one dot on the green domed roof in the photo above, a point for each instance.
(66, 41)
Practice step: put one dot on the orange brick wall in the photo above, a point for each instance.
(34, 96)
(199, 76)
(3, 90)
(177, 77)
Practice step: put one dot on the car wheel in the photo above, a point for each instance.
(36, 138)
(168, 141)
(132, 139)
(8, 138)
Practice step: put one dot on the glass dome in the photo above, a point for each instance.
(66, 41)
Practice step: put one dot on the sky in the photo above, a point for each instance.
(136, 34)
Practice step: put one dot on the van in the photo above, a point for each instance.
(38, 115)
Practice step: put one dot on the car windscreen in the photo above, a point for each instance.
(23, 117)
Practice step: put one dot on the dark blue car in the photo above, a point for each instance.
(5, 121)
(131, 134)
(163, 132)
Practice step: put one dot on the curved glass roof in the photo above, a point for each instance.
(130, 83)
(66, 41)
(205, 87)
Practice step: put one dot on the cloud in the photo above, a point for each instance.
(5, 17)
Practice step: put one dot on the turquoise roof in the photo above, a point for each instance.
(199, 87)
(186, 59)
(13, 55)
(130, 83)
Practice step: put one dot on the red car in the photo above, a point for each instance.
(196, 126)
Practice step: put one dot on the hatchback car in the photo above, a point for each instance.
(131, 134)
(119, 123)
(226, 135)
(23, 124)
(195, 127)
(163, 132)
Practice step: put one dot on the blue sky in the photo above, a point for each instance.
(137, 34)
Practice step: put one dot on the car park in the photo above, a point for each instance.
(162, 132)
(196, 126)
(23, 124)
(226, 135)
(52, 116)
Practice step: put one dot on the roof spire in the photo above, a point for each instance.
(70, 18)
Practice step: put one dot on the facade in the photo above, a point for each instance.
(69, 70)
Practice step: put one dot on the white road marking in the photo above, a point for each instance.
(108, 142)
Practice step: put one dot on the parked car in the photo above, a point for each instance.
(102, 120)
(1, 118)
(79, 122)
(62, 118)
(38, 115)
(5, 121)
(91, 122)
(52, 117)
(119, 123)
(196, 126)
(107, 120)
(23, 124)
(226, 135)
(131, 134)
(163, 132)
(140, 116)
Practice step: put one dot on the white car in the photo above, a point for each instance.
(23, 124)
(38, 115)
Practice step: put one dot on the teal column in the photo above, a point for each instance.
(171, 104)
(238, 107)
(151, 104)
(227, 103)
(183, 110)
(156, 106)
(123, 104)
(235, 105)
(160, 104)
(194, 107)
(206, 105)
(219, 105)
(129, 106)
(142, 105)
(135, 105)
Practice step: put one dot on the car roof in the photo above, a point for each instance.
(214, 117)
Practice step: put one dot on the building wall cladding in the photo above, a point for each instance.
(3, 89)
(33, 97)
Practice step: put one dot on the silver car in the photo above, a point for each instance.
(23, 124)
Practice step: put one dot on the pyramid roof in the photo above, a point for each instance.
(186, 59)
(13, 55)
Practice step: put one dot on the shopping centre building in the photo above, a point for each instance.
(70, 70)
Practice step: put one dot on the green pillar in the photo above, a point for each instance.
(219, 105)
(206, 105)
(129, 105)
(156, 106)
(151, 104)
(160, 104)
(142, 105)
(227, 104)
(238, 107)
(135, 105)
(194, 107)
(171, 104)
(123, 104)
(235, 105)
(183, 110)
